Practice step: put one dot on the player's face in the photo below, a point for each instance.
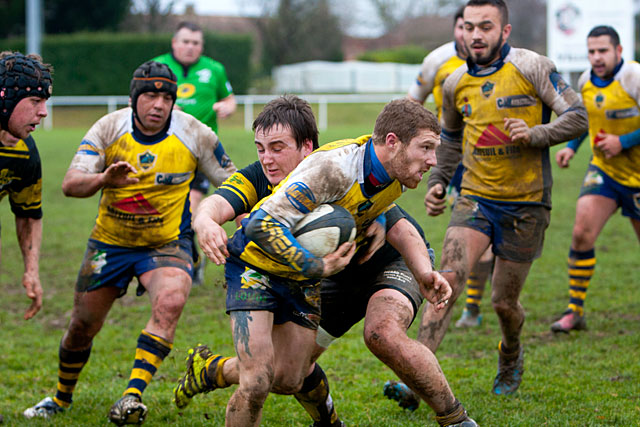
(26, 116)
(458, 36)
(278, 153)
(484, 34)
(187, 46)
(153, 111)
(603, 56)
(414, 159)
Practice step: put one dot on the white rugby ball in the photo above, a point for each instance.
(324, 229)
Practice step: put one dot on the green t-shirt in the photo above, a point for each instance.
(200, 85)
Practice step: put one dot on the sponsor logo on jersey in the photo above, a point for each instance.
(624, 113)
(599, 100)
(98, 260)
(593, 179)
(251, 279)
(494, 142)
(171, 178)
(301, 197)
(466, 110)
(135, 204)
(516, 101)
(487, 88)
(146, 160)
(364, 206)
(204, 76)
(186, 90)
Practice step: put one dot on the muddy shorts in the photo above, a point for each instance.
(598, 183)
(109, 265)
(516, 230)
(288, 300)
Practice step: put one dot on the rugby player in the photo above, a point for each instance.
(499, 105)
(25, 84)
(204, 91)
(611, 95)
(143, 229)
(385, 294)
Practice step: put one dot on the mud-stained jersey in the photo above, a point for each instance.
(335, 173)
(245, 188)
(613, 107)
(523, 85)
(21, 178)
(435, 68)
(155, 210)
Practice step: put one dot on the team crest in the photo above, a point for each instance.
(599, 100)
(146, 160)
(158, 85)
(251, 279)
(487, 88)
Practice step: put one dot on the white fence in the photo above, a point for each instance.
(113, 102)
(344, 77)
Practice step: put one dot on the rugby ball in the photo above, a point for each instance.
(324, 229)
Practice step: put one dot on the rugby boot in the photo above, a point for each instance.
(195, 379)
(400, 392)
(510, 370)
(469, 319)
(129, 409)
(569, 320)
(43, 409)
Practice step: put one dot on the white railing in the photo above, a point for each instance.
(112, 103)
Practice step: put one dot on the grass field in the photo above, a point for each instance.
(585, 379)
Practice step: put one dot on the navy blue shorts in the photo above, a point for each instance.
(288, 300)
(109, 265)
(596, 182)
(516, 230)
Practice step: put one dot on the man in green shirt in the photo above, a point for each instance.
(204, 92)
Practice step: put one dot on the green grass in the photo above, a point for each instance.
(585, 379)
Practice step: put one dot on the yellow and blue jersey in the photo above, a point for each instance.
(524, 85)
(613, 107)
(155, 210)
(245, 188)
(332, 174)
(435, 68)
(21, 178)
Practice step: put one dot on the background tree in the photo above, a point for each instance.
(68, 16)
(300, 30)
(12, 18)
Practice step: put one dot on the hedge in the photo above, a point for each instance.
(102, 63)
(408, 54)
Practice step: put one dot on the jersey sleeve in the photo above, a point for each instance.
(26, 199)
(245, 188)
(213, 161)
(557, 95)
(224, 88)
(90, 156)
(425, 81)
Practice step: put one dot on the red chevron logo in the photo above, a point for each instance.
(493, 136)
(136, 204)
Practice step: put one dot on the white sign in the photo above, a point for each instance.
(569, 22)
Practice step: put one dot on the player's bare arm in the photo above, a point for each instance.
(225, 107)
(609, 144)
(564, 156)
(406, 240)
(213, 211)
(29, 232)
(77, 183)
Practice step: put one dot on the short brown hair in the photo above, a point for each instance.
(405, 118)
(292, 112)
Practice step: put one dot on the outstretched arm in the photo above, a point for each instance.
(213, 211)
(77, 183)
(29, 231)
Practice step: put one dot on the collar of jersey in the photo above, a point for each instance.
(598, 82)
(476, 71)
(185, 68)
(149, 139)
(375, 176)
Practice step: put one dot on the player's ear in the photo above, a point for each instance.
(392, 140)
(307, 147)
(506, 30)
